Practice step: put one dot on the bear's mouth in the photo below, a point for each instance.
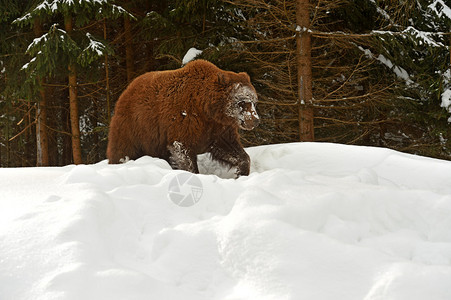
(249, 122)
(248, 118)
(243, 125)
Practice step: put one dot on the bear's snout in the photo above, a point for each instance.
(249, 116)
(250, 124)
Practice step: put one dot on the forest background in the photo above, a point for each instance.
(364, 72)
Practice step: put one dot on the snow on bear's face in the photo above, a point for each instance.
(242, 106)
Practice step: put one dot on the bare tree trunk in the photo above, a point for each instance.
(8, 143)
(66, 157)
(107, 79)
(54, 144)
(73, 103)
(42, 144)
(42, 139)
(128, 49)
(94, 155)
(304, 74)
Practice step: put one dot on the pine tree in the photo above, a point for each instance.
(175, 26)
(416, 47)
(15, 110)
(72, 48)
(339, 98)
(369, 60)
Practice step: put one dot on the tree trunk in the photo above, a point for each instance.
(94, 152)
(304, 71)
(107, 80)
(73, 102)
(53, 108)
(8, 135)
(42, 144)
(66, 157)
(128, 49)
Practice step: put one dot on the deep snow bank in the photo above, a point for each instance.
(312, 221)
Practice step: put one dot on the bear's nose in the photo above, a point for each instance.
(254, 116)
(248, 117)
(250, 123)
(256, 121)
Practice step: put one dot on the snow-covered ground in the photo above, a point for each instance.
(312, 221)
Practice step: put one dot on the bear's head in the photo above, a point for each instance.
(240, 100)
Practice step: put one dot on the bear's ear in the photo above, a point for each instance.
(245, 75)
(223, 79)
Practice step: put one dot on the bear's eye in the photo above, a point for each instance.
(242, 103)
(246, 102)
(246, 105)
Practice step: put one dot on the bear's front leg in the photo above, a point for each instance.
(181, 158)
(244, 164)
(232, 154)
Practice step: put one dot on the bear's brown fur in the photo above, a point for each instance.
(178, 114)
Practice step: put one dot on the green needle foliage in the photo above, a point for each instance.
(381, 69)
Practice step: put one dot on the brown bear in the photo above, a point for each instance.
(177, 114)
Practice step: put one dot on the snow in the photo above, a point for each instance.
(399, 71)
(312, 221)
(440, 8)
(190, 55)
(25, 66)
(302, 29)
(423, 36)
(380, 10)
(446, 101)
(446, 95)
(94, 46)
(54, 5)
(42, 39)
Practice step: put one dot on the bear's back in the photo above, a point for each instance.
(196, 75)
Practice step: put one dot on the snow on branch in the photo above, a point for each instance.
(102, 8)
(40, 41)
(25, 66)
(446, 95)
(399, 71)
(94, 45)
(424, 36)
(446, 101)
(43, 50)
(119, 10)
(440, 9)
(380, 11)
(93, 50)
(26, 18)
(408, 31)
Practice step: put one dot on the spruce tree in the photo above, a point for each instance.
(415, 46)
(68, 47)
(15, 126)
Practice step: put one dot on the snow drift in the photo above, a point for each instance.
(312, 221)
